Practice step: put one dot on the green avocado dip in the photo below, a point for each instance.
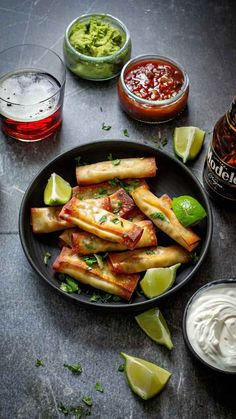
(96, 38)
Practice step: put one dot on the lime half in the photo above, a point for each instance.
(57, 191)
(154, 325)
(188, 210)
(144, 378)
(158, 280)
(188, 142)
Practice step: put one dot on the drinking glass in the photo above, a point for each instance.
(32, 82)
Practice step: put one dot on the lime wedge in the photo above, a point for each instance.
(188, 142)
(57, 191)
(158, 280)
(144, 378)
(188, 210)
(154, 325)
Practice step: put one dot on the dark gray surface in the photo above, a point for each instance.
(38, 323)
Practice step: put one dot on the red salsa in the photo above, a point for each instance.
(153, 89)
(155, 80)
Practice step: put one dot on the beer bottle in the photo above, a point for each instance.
(219, 173)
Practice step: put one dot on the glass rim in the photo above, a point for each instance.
(164, 102)
(105, 57)
(45, 49)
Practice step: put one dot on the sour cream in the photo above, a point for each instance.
(211, 325)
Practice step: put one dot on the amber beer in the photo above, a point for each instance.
(219, 175)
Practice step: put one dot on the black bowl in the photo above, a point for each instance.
(173, 178)
(184, 328)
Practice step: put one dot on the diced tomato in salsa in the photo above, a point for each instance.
(155, 80)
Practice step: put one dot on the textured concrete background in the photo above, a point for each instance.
(38, 323)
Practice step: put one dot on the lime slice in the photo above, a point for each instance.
(57, 191)
(154, 325)
(188, 210)
(158, 280)
(144, 378)
(188, 142)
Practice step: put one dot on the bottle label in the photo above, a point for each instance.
(220, 176)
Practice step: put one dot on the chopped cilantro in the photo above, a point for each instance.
(79, 161)
(99, 387)
(103, 219)
(78, 411)
(95, 297)
(90, 260)
(158, 215)
(159, 141)
(88, 400)
(115, 220)
(70, 285)
(150, 252)
(109, 157)
(114, 182)
(195, 257)
(101, 192)
(39, 363)
(76, 368)
(116, 162)
(46, 257)
(119, 206)
(121, 368)
(116, 298)
(103, 297)
(126, 132)
(106, 127)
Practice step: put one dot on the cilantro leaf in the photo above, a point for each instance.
(90, 260)
(99, 387)
(158, 215)
(70, 285)
(39, 363)
(46, 257)
(103, 219)
(76, 368)
(106, 127)
(121, 368)
(116, 162)
(150, 252)
(79, 161)
(88, 400)
(126, 132)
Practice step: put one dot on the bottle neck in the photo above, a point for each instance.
(231, 115)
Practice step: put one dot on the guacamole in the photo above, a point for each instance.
(96, 38)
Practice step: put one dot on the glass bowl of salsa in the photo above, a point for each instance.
(153, 88)
(96, 46)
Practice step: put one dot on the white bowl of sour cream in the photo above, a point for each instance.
(209, 325)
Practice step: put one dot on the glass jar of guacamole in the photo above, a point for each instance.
(96, 46)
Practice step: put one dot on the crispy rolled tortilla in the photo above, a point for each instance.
(159, 210)
(108, 188)
(65, 238)
(155, 257)
(122, 204)
(75, 266)
(141, 167)
(104, 224)
(47, 220)
(86, 243)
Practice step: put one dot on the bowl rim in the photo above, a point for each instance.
(184, 321)
(118, 306)
(165, 102)
(105, 57)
